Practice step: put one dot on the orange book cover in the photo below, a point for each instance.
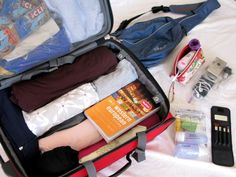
(122, 110)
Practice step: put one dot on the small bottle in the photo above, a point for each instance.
(178, 125)
(190, 151)
(185, 60)
(190, 138)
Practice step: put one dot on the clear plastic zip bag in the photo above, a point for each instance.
(191, 138)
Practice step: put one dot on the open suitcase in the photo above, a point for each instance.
(135, 147)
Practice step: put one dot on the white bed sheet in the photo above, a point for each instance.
(217, 35)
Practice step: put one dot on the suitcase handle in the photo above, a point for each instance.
(125, 167)
(138, 154)
(91, 170)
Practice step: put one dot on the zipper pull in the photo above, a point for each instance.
(120, 56)
(107, 37)
(115, 39)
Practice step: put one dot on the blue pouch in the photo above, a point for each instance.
(151, 41)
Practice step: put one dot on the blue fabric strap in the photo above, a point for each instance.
(196, 13)
(187, 9)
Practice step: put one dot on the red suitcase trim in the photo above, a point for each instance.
(124, 150)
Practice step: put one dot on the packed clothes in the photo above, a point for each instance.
(55, 47)
(77, 137)
(44, 33)
(124, 74)
(61, 109)
(54, 163)
(24, 142)
(77, 100)
(37, 92)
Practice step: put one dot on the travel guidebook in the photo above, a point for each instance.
(122, 110)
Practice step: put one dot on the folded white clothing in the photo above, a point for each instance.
(124, 74)
(38, 37)
(61, 109)
(77, 100)
(81, 19)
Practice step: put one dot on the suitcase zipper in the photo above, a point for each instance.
(114, 38)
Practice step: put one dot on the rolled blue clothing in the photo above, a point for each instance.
(124, 74)
(55, 47)
(24, 142)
